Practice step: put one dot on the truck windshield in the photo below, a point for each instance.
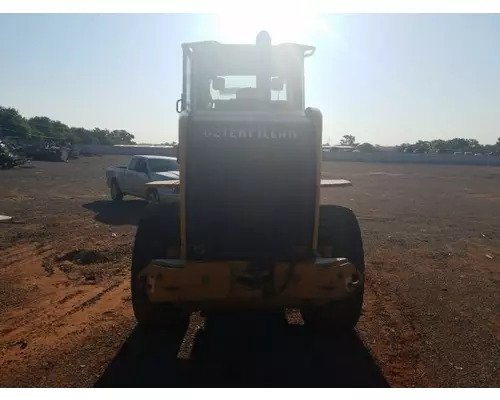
(162, 165)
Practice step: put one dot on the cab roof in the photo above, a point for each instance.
(212, 45)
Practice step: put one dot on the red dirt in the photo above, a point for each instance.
(430, 317)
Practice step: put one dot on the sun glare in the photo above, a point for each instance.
(243, 28)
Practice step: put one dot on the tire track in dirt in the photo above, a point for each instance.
(38, 324)
(47, 339)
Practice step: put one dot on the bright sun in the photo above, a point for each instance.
(243, 28)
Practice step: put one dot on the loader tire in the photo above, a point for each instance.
(339, 228)
(158, 229)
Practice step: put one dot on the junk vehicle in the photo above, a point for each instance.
(248, 232)
(132, 180)
(48, 151)
(11, 156)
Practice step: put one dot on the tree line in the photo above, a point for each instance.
(461, 145)
(13, 124)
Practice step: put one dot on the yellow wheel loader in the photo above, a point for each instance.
(248, 231)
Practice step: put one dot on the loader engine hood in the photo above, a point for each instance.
(250, 186)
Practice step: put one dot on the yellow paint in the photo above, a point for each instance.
(212, 282)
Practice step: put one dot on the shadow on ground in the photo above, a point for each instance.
(288, 356)
(126, 212)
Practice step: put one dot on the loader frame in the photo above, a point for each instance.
(194, 284)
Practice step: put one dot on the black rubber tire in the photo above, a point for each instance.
(118, 195)
(339, 228)
(153, 197)
(158, 229)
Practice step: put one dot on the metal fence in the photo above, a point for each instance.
(379, 157)
(400, 158)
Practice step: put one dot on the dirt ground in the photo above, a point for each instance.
(431, 313)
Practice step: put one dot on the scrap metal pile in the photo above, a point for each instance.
(11, 155)
(48, 151)
(14, 152)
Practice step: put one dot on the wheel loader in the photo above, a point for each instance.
(249, 232)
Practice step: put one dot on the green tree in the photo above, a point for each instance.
(348, 140)
(100, 136)
(451, 145)
(367, 148)
(12, 123)
(43, 126)
(120, 136)
(403, 146)
(438, 145)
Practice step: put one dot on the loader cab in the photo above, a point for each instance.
(243, 77)
(248, 152)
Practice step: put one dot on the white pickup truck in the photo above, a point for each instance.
(132, 180)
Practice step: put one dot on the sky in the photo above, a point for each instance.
(384, 78)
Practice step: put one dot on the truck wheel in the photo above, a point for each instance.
(116, 193)
(158, 229)
(153, 197)
(339, 228)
